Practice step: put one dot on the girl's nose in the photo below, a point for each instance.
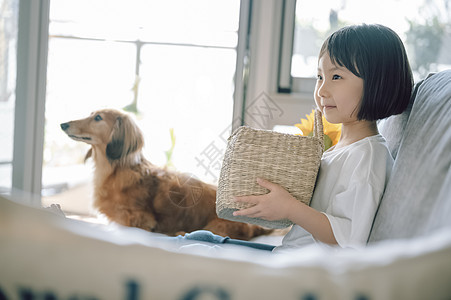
(322, 89)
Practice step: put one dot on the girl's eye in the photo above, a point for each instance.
(335, 77)
(318, 77)
(98, 118)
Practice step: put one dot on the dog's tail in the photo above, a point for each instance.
(255, 230)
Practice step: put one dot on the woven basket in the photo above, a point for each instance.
(291, 161)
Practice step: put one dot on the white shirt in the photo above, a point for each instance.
(349, 187)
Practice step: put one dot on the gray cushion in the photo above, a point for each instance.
(417, 198)
(392, 128)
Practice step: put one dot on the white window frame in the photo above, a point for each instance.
(32, 47)
(266, 65)
(287, 83)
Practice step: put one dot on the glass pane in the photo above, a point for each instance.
(189, 89)
(82, 76)
(9, 10)
(202, 22)
(422, 25)
(181, 57)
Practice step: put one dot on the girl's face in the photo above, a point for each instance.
(338, 92)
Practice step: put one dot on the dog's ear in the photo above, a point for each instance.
(126, 139)
(88, 155)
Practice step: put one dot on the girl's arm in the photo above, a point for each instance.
(279, 204)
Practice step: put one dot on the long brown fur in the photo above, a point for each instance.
(131, 191)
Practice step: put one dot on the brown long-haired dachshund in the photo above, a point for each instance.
(131, 191)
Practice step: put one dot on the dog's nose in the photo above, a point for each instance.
(64, 126)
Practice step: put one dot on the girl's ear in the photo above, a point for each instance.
(126, 139)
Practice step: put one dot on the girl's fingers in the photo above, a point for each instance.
(246, 212)
(247, 199)
(266, 184)
(254, 199)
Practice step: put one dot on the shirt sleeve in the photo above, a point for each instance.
(352, 212)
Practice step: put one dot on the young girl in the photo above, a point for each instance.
(363, 76)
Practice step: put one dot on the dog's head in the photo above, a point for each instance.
(108, 127)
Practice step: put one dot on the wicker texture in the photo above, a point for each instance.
(291, 161)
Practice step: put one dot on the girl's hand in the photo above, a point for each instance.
(275, 205)
(279, 204)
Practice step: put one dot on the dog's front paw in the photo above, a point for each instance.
(56, 209)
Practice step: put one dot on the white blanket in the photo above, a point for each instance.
(44, 255)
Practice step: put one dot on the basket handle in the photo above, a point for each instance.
(318, 125)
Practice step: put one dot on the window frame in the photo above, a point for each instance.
(268, 66)
(287, 83)
(29, 119)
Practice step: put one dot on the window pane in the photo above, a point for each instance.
(189, 89)
(422, 25)
(82, 76)
(201, 22)
(9, 10)
(180, 53)
(103, 19)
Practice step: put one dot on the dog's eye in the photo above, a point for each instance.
(98, 118)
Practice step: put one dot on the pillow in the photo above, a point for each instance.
(416, 198)
(392, 127)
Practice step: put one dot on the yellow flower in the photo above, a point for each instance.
(331, 131)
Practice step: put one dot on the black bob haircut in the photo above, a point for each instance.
(376, 54)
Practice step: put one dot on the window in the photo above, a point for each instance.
(9, 11)
(424, 27)
(171, 63)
